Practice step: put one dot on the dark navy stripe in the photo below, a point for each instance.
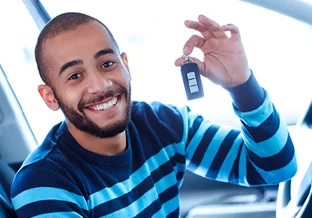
(253, 176)
(40, 207)
(233, 178)
(147, 130)
(180, 175)
(125, 200)
(193, 129)
(170, 193)
(158, 120)
(277, 161)
(174, 214)
(141, 156)
(177, 158)
(202, 147)
(221, 154)
(63, 181)
(266, 130)
(150, 210)
(163, 170)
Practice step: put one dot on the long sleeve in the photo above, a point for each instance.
(260, 153)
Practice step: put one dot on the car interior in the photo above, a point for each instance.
(199, 197)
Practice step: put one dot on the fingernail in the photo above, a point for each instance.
(185, 50)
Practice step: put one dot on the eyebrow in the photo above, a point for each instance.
(78, 62)
(103, 52)
(70, 64)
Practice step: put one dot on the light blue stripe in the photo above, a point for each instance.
(70, 214)
(196, 140)
(229, 160)
(212, 150)
(276, 176)
(256, 117)
(166, 182)
(270, 146)
(135, 178)
(242, 171)
(47, 193)
(187, 123)
(145, 200)
(191, 118)
(168, 208)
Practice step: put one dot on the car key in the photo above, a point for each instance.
(191, 79)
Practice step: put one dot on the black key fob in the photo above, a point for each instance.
(191, 79)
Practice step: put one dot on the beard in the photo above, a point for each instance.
(83, 123)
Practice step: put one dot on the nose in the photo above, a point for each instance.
(97, 83)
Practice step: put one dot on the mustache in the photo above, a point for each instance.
(112, 92)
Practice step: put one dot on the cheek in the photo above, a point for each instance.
(126, 79)
(121, 78)
(126, 84)
(71, 98)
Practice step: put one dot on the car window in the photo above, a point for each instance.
(18, 37)
(153, 35)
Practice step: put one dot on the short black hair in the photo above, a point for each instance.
(62, 23)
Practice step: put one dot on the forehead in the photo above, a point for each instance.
(84, 41)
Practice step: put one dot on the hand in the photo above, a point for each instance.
(225, 62)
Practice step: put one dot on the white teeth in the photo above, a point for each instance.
(106, 105)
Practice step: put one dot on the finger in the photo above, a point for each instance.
(200, 64)
(179, 62)
(194, 41)
(195, 25)
(212, 26)
(199, 27)
(233, 29)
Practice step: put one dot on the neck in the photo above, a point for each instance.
(104, 146)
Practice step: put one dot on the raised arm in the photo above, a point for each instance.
(262, 151)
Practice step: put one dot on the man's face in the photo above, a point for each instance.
(90, 80)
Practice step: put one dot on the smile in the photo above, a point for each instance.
(105, 106)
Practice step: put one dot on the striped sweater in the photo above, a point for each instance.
(62, 179)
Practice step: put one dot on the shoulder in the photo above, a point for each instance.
(47, 147)
(44, 166)
(42, 173)
(44, 181)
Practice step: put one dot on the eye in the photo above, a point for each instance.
(74, 76)
(107, 64)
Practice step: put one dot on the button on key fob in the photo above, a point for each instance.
(191, 79)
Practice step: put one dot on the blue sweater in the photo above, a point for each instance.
(62, 179)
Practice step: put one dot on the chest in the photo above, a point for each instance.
(142, 194)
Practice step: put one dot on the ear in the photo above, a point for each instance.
(125, 61)
(47, 95)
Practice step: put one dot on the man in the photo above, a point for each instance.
(112, 157)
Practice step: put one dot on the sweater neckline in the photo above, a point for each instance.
(64, 137)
